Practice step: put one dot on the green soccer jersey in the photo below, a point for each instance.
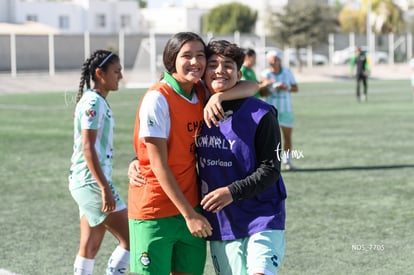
(249, 74)
(92, 112)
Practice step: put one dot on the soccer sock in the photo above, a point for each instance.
(286, 157)
(118, 262)
(83, 266)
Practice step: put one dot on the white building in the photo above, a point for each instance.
(76, 16)
(172, 19)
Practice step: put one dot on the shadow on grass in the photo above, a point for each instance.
(353, 168)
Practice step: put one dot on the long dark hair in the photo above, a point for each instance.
(174, 45)
(99, 59)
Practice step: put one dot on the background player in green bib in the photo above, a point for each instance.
(248, 72)
(90, 180)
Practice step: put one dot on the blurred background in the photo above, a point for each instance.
(54, 36)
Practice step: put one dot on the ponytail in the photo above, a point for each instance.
(99, 59)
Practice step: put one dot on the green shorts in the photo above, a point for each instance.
(160, 246)
(89, 199)
(260, 253)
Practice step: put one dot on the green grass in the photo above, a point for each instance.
(354, 188)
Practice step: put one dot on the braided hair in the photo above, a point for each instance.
(99, 59)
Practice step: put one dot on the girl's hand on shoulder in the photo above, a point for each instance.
(213, 111)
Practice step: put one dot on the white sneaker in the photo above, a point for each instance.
(364, 98)
(289, 166)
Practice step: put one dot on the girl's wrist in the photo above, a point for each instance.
(219, 96)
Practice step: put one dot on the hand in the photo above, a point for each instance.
(267, 82)
(108, 200)
(264, 91)
(134, 174)
(199, 226)
(213, 110)
(280, 86)
(217, 199)
(277, 85)
(284, 87)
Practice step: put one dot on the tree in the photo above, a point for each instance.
(386, 17)
(228, 18)
(142, 3)
(352, 20)
(302, 25)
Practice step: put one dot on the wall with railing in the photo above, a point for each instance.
(143, 52)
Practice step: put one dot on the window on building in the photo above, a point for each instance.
(31, 17)
(125, 21)
(101, 21)
(64, 22)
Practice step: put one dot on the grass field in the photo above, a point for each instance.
(349, 209)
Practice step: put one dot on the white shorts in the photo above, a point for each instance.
(260, 253)
(89, 200)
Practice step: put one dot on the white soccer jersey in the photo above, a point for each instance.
(154, 115)
(92, 112)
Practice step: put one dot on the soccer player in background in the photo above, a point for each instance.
(90, 182)
(280, 83)
(248, 72)
(362, 64)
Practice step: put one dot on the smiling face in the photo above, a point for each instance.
(221, 73)
(190, 64)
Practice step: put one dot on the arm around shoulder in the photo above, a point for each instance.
(213, 109)
(242, 89)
